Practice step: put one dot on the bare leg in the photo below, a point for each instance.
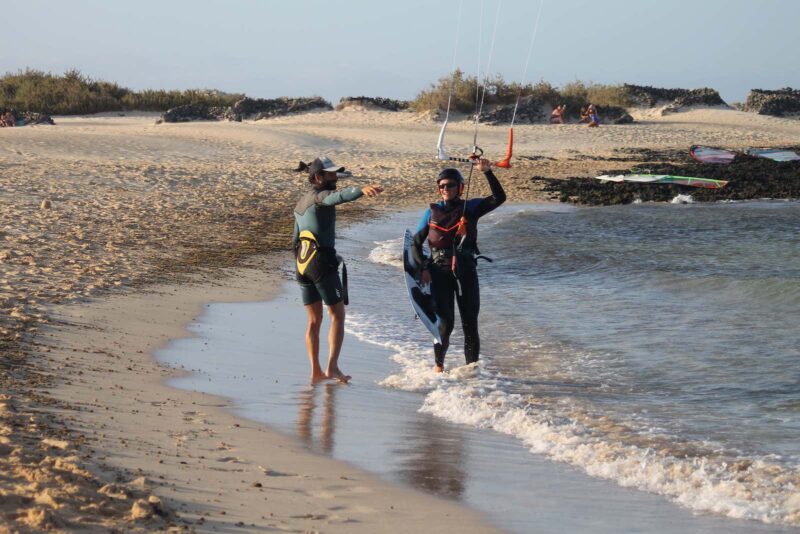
(314, 311)
(335, 338)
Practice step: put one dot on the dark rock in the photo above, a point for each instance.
(646, 96)
(748, 178)
(625, 119)
(382, 103)
(614, 115)
(530, 111)
(246, 108)
(195, 112)
(265, 108)
(777, 103)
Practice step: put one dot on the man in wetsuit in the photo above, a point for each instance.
(451, 269)
(317, 265)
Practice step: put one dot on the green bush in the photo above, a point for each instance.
(76, 94)
(575, 95)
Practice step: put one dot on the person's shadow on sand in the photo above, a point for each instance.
(305, 417)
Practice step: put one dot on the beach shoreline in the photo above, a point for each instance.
(113, 207)
(213, 469)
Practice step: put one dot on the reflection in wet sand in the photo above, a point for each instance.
(305, 417)
(433, 458)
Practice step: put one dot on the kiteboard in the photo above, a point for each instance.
(708, 183)
(707, 154)
(421, 299)
(775, 154)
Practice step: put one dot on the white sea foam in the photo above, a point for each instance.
(699, 476)
(682, 199)
(388, 252)
(741, 488)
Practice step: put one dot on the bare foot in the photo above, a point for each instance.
(339, 376)
(318, 377)
(438, 369)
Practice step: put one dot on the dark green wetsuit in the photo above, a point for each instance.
(316, 213)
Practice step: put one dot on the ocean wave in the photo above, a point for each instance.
(699, 476)
(389, 252)
(695, 475)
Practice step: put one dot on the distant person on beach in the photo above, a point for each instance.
(594, 118)
(8, 120)
(451, 269)
(557, 116)
(317, 265)
(584, 115)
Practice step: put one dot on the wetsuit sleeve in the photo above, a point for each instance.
(419, 239)
(332, 198)
(498, 196)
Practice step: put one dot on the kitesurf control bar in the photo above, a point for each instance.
(477, 152)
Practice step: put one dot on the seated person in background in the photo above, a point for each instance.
(594, 119)
(557, 116)
(584, 115)
(8, 119)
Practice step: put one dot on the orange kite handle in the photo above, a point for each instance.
(506, 162)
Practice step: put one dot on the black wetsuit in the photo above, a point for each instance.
(438, 225)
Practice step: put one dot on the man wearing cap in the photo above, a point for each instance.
(317, 265)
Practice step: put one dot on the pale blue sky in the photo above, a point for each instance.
(359, 47)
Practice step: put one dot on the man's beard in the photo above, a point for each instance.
(329, 185)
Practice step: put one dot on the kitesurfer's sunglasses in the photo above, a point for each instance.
(448, 185)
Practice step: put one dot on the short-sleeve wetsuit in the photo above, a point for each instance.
(438, 225)
(316, 213)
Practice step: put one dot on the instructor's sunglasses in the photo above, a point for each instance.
(448, 185)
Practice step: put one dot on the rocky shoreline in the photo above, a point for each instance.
(749, 178)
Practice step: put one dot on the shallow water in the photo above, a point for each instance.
(648, 347)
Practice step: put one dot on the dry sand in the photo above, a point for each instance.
(114, 231)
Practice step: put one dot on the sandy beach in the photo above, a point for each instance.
(114, 234)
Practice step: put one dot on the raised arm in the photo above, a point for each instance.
(494, 200)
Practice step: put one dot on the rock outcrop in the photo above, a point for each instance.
(531, 110)
(748, 178)
(672, 99)
(265, 108)
(777, 103)
(246, 108)
(387, 104)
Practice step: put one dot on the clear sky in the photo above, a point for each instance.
(340, 48)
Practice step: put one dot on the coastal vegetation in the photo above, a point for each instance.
(73, 93)
(574, 95)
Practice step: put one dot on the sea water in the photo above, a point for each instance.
(654, 346)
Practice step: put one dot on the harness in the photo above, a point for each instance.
(315, 262)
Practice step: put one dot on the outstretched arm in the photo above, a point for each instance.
(348, 194)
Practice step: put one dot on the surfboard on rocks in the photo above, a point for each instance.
(775, 154)
(707, 154)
